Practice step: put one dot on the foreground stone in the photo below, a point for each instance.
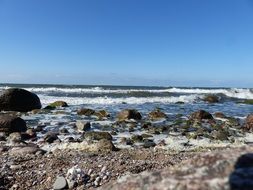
(209, 171)
(60, 183)
(16, 99)
(10, 124)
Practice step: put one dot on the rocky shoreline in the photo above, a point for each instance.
(96, 149)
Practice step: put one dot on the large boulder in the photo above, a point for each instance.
(249, 122)
(15, 99)
(86, 112)
(129, 114)
(201, 114)
(10, 124)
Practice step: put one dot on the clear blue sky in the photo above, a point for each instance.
(127, 42)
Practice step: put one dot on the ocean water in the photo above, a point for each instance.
(145, 99)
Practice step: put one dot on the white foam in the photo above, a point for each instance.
(107, 100)
(234, 92)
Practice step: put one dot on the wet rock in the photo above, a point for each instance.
(201, 114)
(148, 143)
(64, 131)
(16, 99)
(50, 137)
(102, 114)
(129, 114)
(82, 125)
(219, 115)
(249, 122)
(97, 135)
(211, 98)
(86, 112)
(60, 183)
(9, 124)
(156, 115)
(137, 138)
(56, 104)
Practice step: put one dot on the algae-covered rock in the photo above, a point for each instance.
(56, 104)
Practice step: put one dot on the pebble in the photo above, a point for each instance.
(60, 183)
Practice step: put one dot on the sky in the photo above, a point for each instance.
(127, 42)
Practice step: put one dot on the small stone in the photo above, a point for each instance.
(60, 183)
(103, 169)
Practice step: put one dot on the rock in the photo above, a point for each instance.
(249, 122)
(247, 102)
(10, 124)
(22, 151)
(56, 104)
(16, 99)
(211, 98)
(105, 145)
(60, 183)
(15, 138)
(50, 137)
(156, 115)
(86, 112)
(241, 177)
(129, 114)
(220, 115)
(201, 114)
(244, 161)
(102, 114)
(82, 125)
(148, 143)
(97, 135)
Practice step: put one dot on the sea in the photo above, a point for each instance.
(175, 102)
(172, 100)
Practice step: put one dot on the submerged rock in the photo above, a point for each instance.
(10, 124)
(129, 114)
(16, 99)
(201, 114)
(211, 98)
